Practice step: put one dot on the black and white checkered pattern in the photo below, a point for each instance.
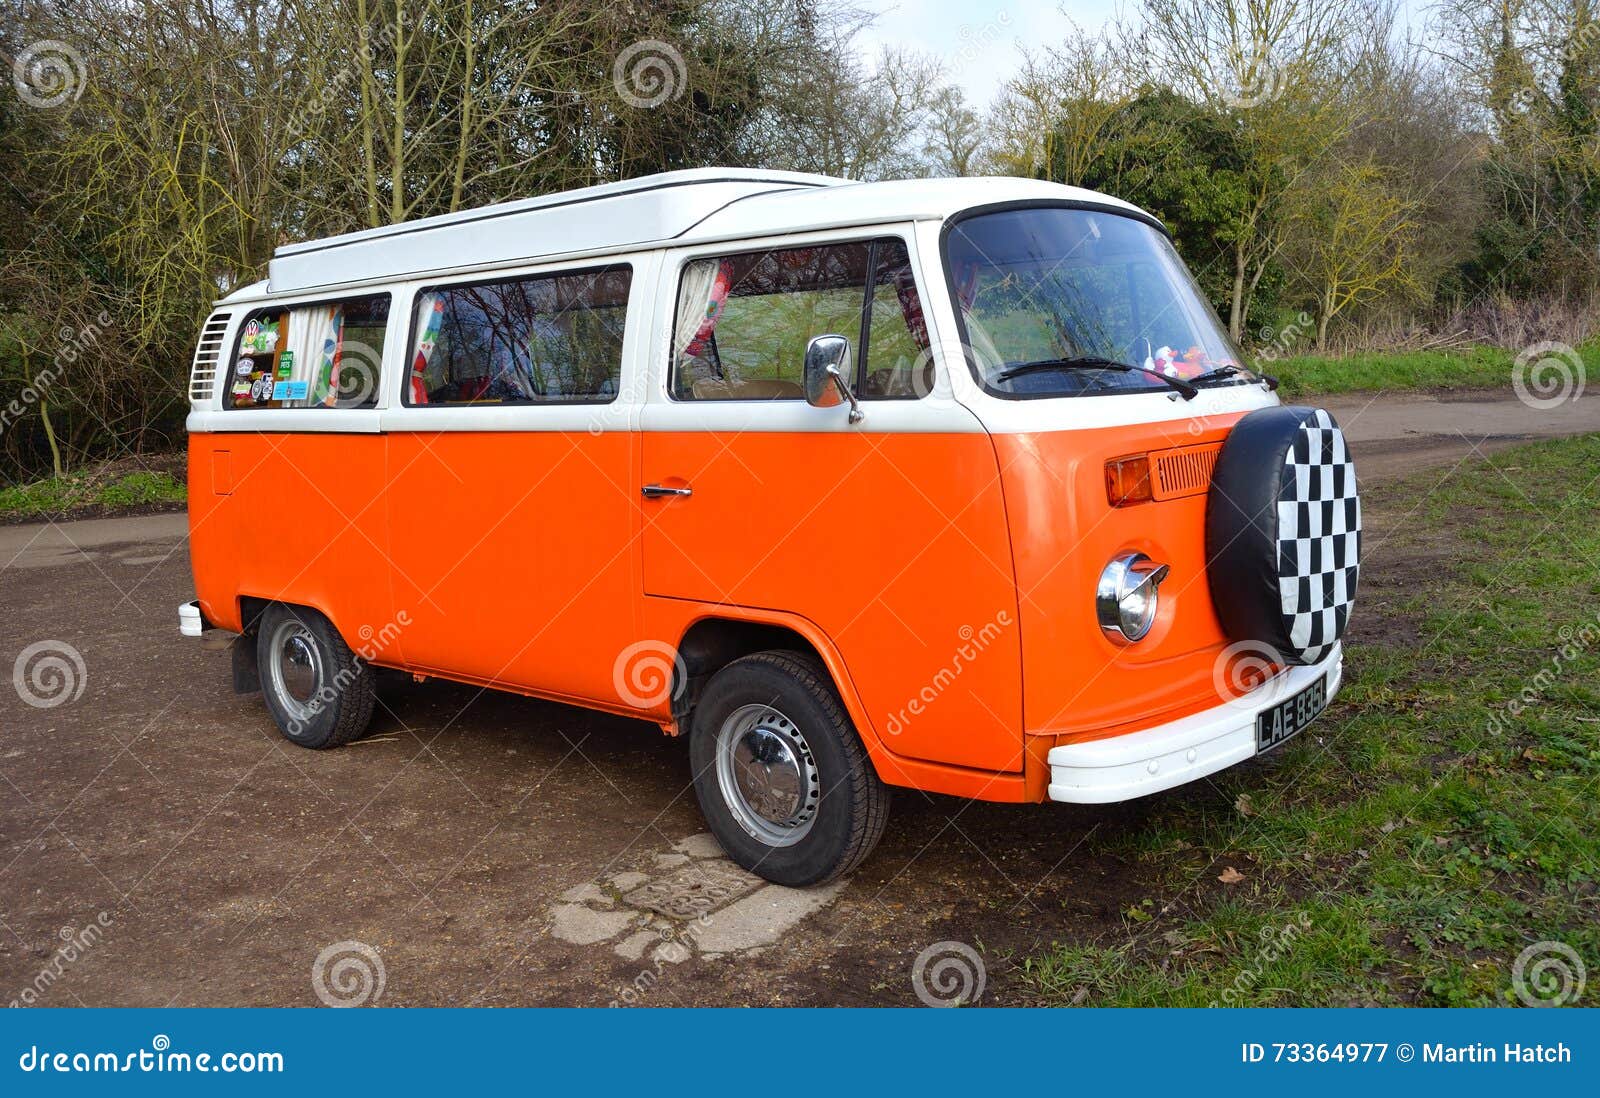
(1319, 537)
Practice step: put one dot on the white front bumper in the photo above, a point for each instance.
(1137, 763)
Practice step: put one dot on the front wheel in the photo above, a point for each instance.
(318, 691)
(781, 775)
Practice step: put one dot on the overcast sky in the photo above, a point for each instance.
(978, 39)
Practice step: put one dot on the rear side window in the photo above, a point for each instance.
(323, 355)
(544, 339)
(743, 321)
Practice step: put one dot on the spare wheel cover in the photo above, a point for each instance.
(1283, 533)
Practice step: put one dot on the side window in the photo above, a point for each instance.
(897, 364)
(542, 339)
(322, 355)
(743, 321)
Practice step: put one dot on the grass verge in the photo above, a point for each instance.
(1439, 820)
(1471, 368)
(101, 491)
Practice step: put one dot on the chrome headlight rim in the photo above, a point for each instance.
(1127, 598)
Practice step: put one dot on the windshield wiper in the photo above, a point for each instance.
(1221, 373)
(1096, 362)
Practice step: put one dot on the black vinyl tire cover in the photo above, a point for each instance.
(1283, 533)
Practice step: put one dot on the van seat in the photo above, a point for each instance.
(897, 381)
(714, 388)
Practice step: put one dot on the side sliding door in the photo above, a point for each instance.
(511, 505)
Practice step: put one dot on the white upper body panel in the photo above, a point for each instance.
(674, 208)
(656, 224)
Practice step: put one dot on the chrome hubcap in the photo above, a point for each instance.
(295, 668)
(767, 776)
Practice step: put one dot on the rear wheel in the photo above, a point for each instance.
(781, 775)
(318, 692)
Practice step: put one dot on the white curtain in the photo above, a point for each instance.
(694, 298)
(313, 337)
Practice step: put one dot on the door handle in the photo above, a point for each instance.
(657, 491)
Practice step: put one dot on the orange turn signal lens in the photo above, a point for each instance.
(1128, 480)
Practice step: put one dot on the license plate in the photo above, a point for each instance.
(1288, 717)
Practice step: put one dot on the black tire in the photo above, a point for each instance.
(850, 803)
(337, 706)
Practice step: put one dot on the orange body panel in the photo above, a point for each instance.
(894, 545)
(1080, 684)
(946, 579)
(514, 556)
(296, 517)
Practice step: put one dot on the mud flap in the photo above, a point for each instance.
(246, 674)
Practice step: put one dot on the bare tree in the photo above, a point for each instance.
(1278, 67)
(954, 144)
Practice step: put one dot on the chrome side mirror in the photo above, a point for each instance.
(827, 359)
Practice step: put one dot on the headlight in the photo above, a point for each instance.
(1127, 597)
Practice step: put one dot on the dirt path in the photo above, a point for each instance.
(489, 848)
(1395, 433)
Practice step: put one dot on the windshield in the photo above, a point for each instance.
(1053, 300)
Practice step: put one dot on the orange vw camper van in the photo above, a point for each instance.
(949, 484)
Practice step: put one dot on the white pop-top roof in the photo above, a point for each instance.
(679, 207)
